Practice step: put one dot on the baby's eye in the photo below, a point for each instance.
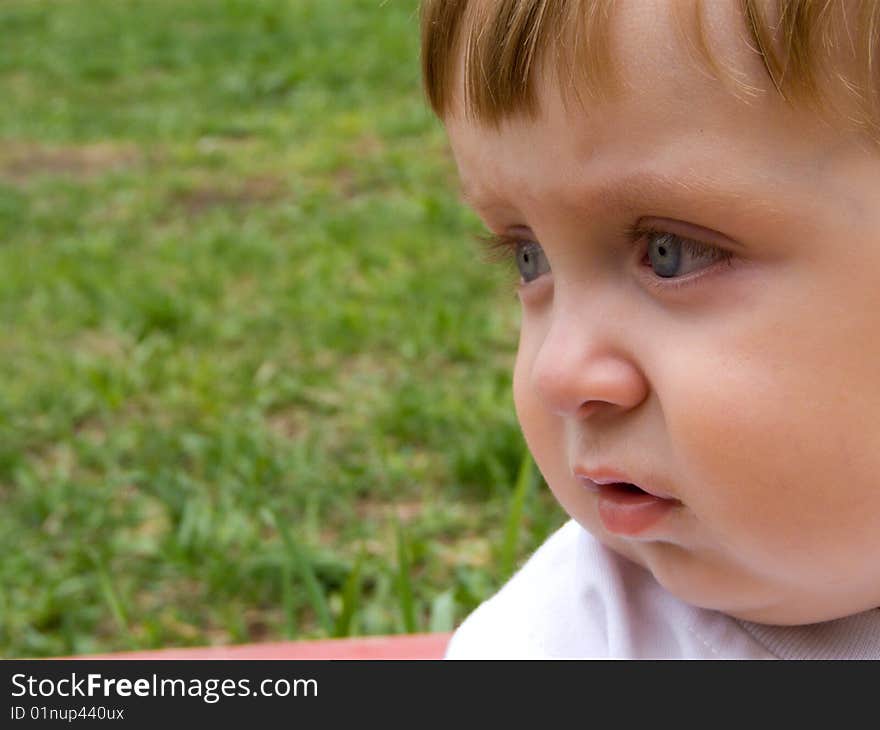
(666, 252)
(530, 260)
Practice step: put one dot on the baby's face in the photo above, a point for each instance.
(744, 391)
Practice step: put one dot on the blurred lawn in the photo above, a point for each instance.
(254, 373)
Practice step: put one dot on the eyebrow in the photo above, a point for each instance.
(646, 187)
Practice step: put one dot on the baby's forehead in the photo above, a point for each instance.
(499, 65)
(493, 59)
(681, 42)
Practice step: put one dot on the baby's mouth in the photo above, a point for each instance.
(622, 488)
(627, 487)
(632, 494)
(628, 510)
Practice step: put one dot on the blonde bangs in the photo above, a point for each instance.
(501, 47)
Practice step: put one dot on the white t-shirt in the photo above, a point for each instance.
(575, 598)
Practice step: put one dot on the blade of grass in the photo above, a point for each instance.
(443, 612)
(350, 597)
(524, 483)
(314, 592)
(109, 593)
(287, 600)
(4, 620)
(404, 582)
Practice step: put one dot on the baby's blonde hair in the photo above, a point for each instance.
(501, 43)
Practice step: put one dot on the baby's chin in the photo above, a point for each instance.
(711, 582)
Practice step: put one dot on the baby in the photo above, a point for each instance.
(691, 193)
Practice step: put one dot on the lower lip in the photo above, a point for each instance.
(630, 513)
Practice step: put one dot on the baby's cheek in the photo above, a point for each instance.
(763, 471)
(533, 419)
(729, 457)
(545, 436)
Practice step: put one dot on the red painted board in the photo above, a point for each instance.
(409, 646)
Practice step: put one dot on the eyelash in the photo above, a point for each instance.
(503, 248)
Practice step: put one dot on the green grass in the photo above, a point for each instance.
(254, 375)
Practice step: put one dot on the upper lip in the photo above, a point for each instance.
(610, 475)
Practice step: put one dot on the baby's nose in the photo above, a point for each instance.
(580, 366)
